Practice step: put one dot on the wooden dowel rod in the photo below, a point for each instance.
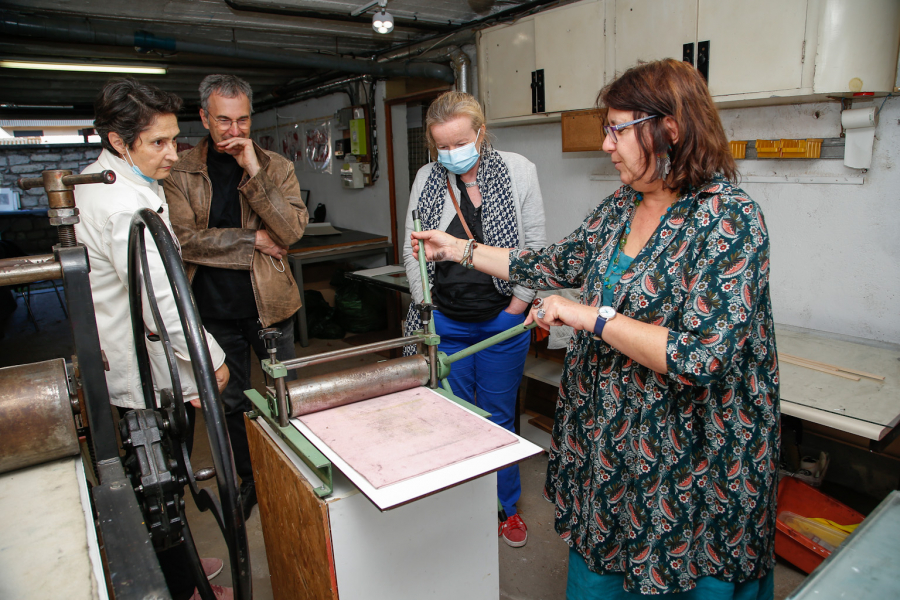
(791, 360)
(834, 367)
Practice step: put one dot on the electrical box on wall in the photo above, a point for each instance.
(341, 147)
(358, 144)
(352, 176)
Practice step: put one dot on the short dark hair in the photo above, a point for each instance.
(227, 86)
(127, 107)
(673, 88)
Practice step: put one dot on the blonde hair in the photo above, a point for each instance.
(449, 106)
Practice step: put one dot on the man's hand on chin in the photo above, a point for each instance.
(242, 151)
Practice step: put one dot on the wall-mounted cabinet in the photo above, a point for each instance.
(752, 53)
(547, 63)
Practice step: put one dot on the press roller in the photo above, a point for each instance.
(361, 383)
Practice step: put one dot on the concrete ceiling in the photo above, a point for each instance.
(282, 47)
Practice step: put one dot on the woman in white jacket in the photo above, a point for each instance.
(138, 128)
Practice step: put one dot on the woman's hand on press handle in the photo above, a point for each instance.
(439, 245)
(560, 311)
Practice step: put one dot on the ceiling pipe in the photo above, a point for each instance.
(354, 17)
(82, 31)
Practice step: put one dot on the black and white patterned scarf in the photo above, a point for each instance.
(498, 215)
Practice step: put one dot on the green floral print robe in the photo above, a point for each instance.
(669, 477)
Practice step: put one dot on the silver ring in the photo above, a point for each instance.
(541, 313)
(538, 302)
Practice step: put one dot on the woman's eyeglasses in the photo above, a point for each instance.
(611, 130)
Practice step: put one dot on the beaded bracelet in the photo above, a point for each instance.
(465, 257)
(471, 262)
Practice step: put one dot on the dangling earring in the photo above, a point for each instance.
(663, 163)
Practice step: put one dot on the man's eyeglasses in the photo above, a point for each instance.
(611, 130)
(224, 123)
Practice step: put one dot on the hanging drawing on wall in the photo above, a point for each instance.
(267, 142)
(291, 146)
(317, 151)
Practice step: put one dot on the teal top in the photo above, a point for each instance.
(618, 264)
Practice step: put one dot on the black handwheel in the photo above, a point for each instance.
(226, 507)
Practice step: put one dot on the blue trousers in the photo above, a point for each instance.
(489, 379)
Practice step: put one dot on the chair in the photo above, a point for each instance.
(24, 292)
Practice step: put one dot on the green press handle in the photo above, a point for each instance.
(423, 270)
(494, 339)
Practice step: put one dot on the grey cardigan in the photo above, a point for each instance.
(526, 193)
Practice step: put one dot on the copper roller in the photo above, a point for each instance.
(36, 417)
(353, 385)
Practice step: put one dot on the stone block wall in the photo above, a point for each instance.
(33, 233)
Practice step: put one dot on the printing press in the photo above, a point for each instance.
(403, 506)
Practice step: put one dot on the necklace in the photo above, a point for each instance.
(614, 270)
(470, 185)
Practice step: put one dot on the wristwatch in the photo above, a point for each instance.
(604, 314)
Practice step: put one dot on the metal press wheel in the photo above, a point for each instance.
(226, 508)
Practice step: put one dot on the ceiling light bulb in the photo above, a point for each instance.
(382, 22)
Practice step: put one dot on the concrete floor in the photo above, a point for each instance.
(536, 571)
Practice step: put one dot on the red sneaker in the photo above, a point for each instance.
(513, 531)
(212, 566)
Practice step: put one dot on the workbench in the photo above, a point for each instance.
(431, 536)
(349, 243)
(867, 408)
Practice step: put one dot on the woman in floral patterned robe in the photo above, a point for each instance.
(664, 451)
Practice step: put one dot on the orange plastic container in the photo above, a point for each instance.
(801, 499)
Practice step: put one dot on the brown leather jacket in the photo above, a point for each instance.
(270, 200)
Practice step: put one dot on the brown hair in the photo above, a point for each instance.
(449, 106)
(672, 88)
(127, 107)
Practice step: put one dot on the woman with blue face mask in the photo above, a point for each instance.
(138, 130)
(483, 196)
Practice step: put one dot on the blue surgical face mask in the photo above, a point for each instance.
(460, 160)
(137, 170)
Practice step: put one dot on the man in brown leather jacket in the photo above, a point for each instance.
(236, 209)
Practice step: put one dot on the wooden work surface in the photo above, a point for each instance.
(866, 407)
(347, 237)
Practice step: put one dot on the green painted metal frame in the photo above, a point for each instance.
(308, 453)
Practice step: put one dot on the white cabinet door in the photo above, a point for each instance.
(651, 30)
(570, 48)
(753, 46)
(509, 61)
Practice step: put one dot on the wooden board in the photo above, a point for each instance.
(582, 130)
(294, 523)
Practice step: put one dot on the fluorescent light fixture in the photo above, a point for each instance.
(91, 68)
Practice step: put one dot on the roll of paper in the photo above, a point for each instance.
(859, 129)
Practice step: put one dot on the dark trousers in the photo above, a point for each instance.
(237, 337)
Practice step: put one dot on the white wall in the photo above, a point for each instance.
(835, 248)
(367, 209)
